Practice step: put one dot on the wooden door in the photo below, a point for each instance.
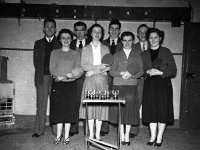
(190, 87)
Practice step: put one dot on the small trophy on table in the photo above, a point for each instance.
(115, 94)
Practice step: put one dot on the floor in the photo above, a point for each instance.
(20, 139)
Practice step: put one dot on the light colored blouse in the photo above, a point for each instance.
(96, 51)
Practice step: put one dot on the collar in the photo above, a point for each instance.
(141, 43)
(115, 40)
(78, 41)
(127, 50)
(98, 46)
(49, 39)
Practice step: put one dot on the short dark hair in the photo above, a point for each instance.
(65, 31)
(90, 31)
(49, 20)
(80, 23)
(115, 21)
(142, 25)
(160, 33)
(128, 33)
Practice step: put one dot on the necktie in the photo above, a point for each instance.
(143, 47)
(80, 44)
(113, 47)
(49, 40)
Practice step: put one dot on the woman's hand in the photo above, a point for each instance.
(59, 78)
(101, 67)
(106, 69)
(69, 75)
(153, 72)
(125, 74)
(89, 73)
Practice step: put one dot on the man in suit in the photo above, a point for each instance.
(139, 47)
(41, 57)
(80, 31)
(113, 42)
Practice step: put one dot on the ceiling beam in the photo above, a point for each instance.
(80, 12)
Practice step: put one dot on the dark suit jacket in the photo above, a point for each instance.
(38, 58)
(137, 47)
(73, 44)
(119, 44)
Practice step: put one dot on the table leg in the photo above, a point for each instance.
(86, 126)
(119, 127)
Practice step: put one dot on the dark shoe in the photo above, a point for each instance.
(150, 143)
(158, 144)
(127, 143)
(66, 141)
(132, 135)
(99, 139)
(122, 142)
(57, 140)
(102, 133)
(35, 135)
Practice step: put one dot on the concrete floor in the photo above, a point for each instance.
(20, 139)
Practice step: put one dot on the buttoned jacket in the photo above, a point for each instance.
(39, 58)
(120, 64)
(168, 60)
(87, 58)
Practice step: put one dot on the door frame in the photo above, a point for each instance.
(184, 97)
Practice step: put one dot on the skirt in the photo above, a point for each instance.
(157, 104)
(95, 111)
(130, 110)
(64, 106)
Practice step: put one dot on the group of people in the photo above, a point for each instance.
(67, 67)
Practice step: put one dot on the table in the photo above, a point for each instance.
(102, 144)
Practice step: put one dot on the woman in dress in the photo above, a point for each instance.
(65, 67)
(95, 80)
(159, 68)
(127, 67)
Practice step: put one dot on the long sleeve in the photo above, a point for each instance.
(139, 61)
(53, 64)
(86, 59)
(114, 72)
(170, 69)
(35, 55)
(77, 70)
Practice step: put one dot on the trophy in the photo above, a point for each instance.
(103, 95)
(97, 94)
(87, 94)
(108, 94)
(115, 94)
(93, 94)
